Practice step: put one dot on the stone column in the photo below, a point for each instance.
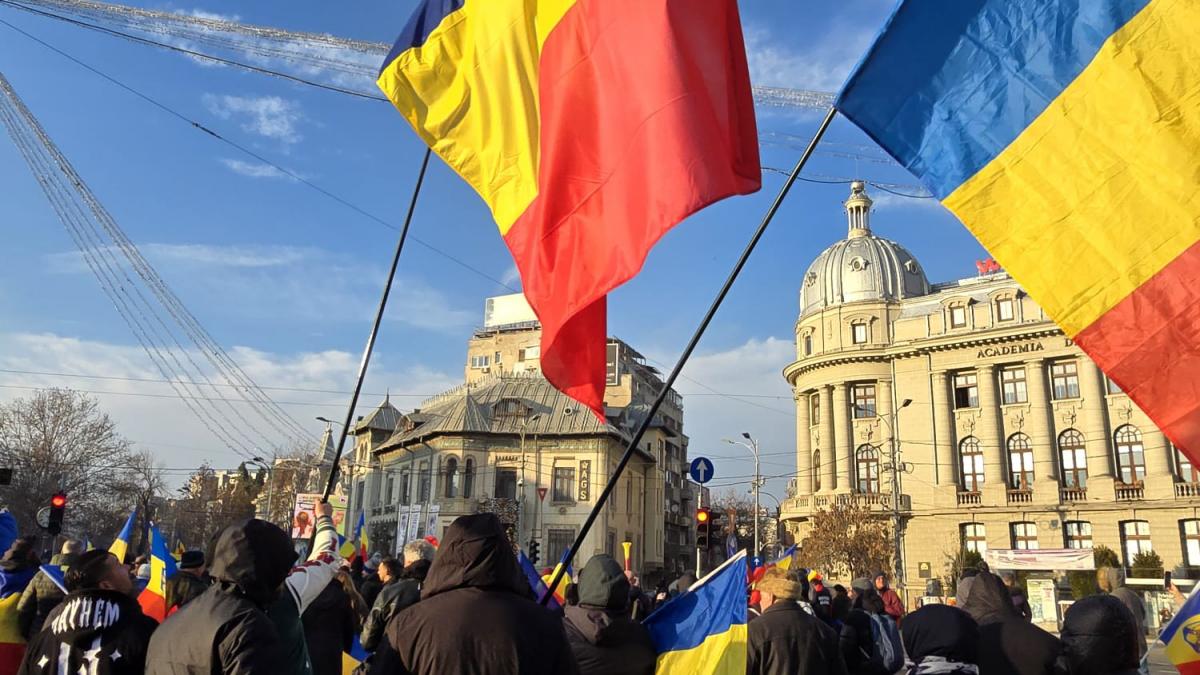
(988, 431)
(883, 401)
(1093, 420)
(943, 424)
(803, 445)
(828, 447)
(1038, 423)
(843, 438)
(1160, 465)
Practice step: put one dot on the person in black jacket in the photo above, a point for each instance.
(1019, 598)
(604, 639)
(785, 639)
(42, 595)
(476, 615)
(401, 589)
(1008, 644)
(330, 624)
(941, 639)
(98, 629)
(819, 597)
(856, 639)
(226, 630)
(841, 605)
(1100, 637)
(191, 580)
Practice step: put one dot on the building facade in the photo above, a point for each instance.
(1006, 434)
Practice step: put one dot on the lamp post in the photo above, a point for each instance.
(752, 446)
(778, 523)
(270, 482)
(525, 422)
(893, 454)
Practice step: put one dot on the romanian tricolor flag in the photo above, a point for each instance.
(1066, 136)
(120, 545)
(1182, 636)
(162, 567)
(360, 533)
(704, 630)
(590, 128)
(786, 559)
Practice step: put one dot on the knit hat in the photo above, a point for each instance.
(776, 582)
(814, 575)
(602, 584)
(862, 584)
(191, 560)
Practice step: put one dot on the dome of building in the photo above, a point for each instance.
(862, 266)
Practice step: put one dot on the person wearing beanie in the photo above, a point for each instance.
(190, 582)
(941, 640)
(1100, 637)
(864, 655)
(819, 597)
(786, 640)
(603, 638)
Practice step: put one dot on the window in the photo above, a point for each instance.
(510, 407)
(1020, 462)
(1004, 309)
(966, 390)
(564, 483)
(1064, 378)
(529, 353)
(1131, 455)
(558, 542)
(1187, 472)
(1135, 538)
(1112, 386)
(390, 490)
(1012, 381)
(814, 410)
(469, 478)
(866, 462)
(816, 471)
(405, 486)
(451, 478)
(506, 484)
(1073, 457)
(480, 361)
(496, 358)
(1078, 533)
(359, 492)
(972, 464)
(808, 344)
(1024, 536)
(974, 538)
(863, 396)
(1191, 541)
(423, 483)
(858, 333)
(958, 316)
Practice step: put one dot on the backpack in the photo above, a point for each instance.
(887, 651)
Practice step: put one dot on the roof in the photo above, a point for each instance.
(326, 450)
(383, 418)
(501, 405)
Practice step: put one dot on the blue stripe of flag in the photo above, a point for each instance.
(715, 605)
(427, 17)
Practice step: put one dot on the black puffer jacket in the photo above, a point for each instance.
(1008, 644)
(92, 631)
(329, 627)
(185, 587)
(1100, 637)
(395, 596)
(856, 640)
(603, 638)
(786, 640)
(476, 615)
(226, 630)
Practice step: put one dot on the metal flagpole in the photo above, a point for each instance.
(366, 357)
(687, 352)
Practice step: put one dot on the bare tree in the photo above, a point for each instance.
(848, 541)
(735, 508)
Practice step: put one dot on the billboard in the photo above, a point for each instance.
(303, 520)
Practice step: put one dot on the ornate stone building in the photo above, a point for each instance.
(1006, 434)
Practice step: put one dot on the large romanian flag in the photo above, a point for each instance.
(590, 128)
(1182, 636)
(704, 629)
(1066, 135)
(162, 567)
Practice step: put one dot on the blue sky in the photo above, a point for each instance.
(287, 279)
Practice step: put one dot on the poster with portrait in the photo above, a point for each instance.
(303, 520)
(414, 522)
(401, 531)
(431, 521)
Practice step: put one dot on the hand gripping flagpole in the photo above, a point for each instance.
(687, 353)
(366, 357)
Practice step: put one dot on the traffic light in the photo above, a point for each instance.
(58, 505)
(703, 523)
(533, 551)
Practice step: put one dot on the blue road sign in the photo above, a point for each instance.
(702, 470)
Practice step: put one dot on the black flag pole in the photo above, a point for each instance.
(687, 353)
(366, 357)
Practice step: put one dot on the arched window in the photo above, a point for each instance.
(1187, 472)
(1020, 462)
(1131, 455)
(1073, 459)
(816, 470)
(866, 460)
(972, 464)
(469, 478)
(452, 478)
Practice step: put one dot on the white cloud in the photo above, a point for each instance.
(891, 202)
(822, 67)
(211, 16)
(511, 277)
(254, 169)
(271, 117)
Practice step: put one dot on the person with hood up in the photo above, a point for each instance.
(840, 608)
(42, 595)
(941, 640)
(477, 614)
(370, 585)
(1111, 580)
(785, 639)
(1008, 644)
(1020, 600)
(819, 597)
(331, 622)
(227, 630)
(892, 603)
(604, 639)
(401, 589)
(1100, 637)
(863, 654)
(98, 629)
(17, 569)
(190, 581)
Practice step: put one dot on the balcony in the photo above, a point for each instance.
(818, 502)
(1072, 494)
(1020, 496)
(969, 498)
(1129, 492)
(1186, 490)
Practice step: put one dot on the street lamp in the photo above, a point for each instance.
(752, 446)
(329, 421)
(525, 422)
(893, 453)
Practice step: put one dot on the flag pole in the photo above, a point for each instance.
(687, 351)
(366, 357)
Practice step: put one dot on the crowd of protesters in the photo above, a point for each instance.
(466, 607)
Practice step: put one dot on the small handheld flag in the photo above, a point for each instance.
(535, 581)
(704, 629)
(1182, 635)
(162, 567)
(120, 545)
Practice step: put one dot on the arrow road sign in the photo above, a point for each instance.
(701, 470)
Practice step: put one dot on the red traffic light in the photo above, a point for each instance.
(702, 516)
(58, 501)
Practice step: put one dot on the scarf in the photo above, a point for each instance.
(937, 665)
